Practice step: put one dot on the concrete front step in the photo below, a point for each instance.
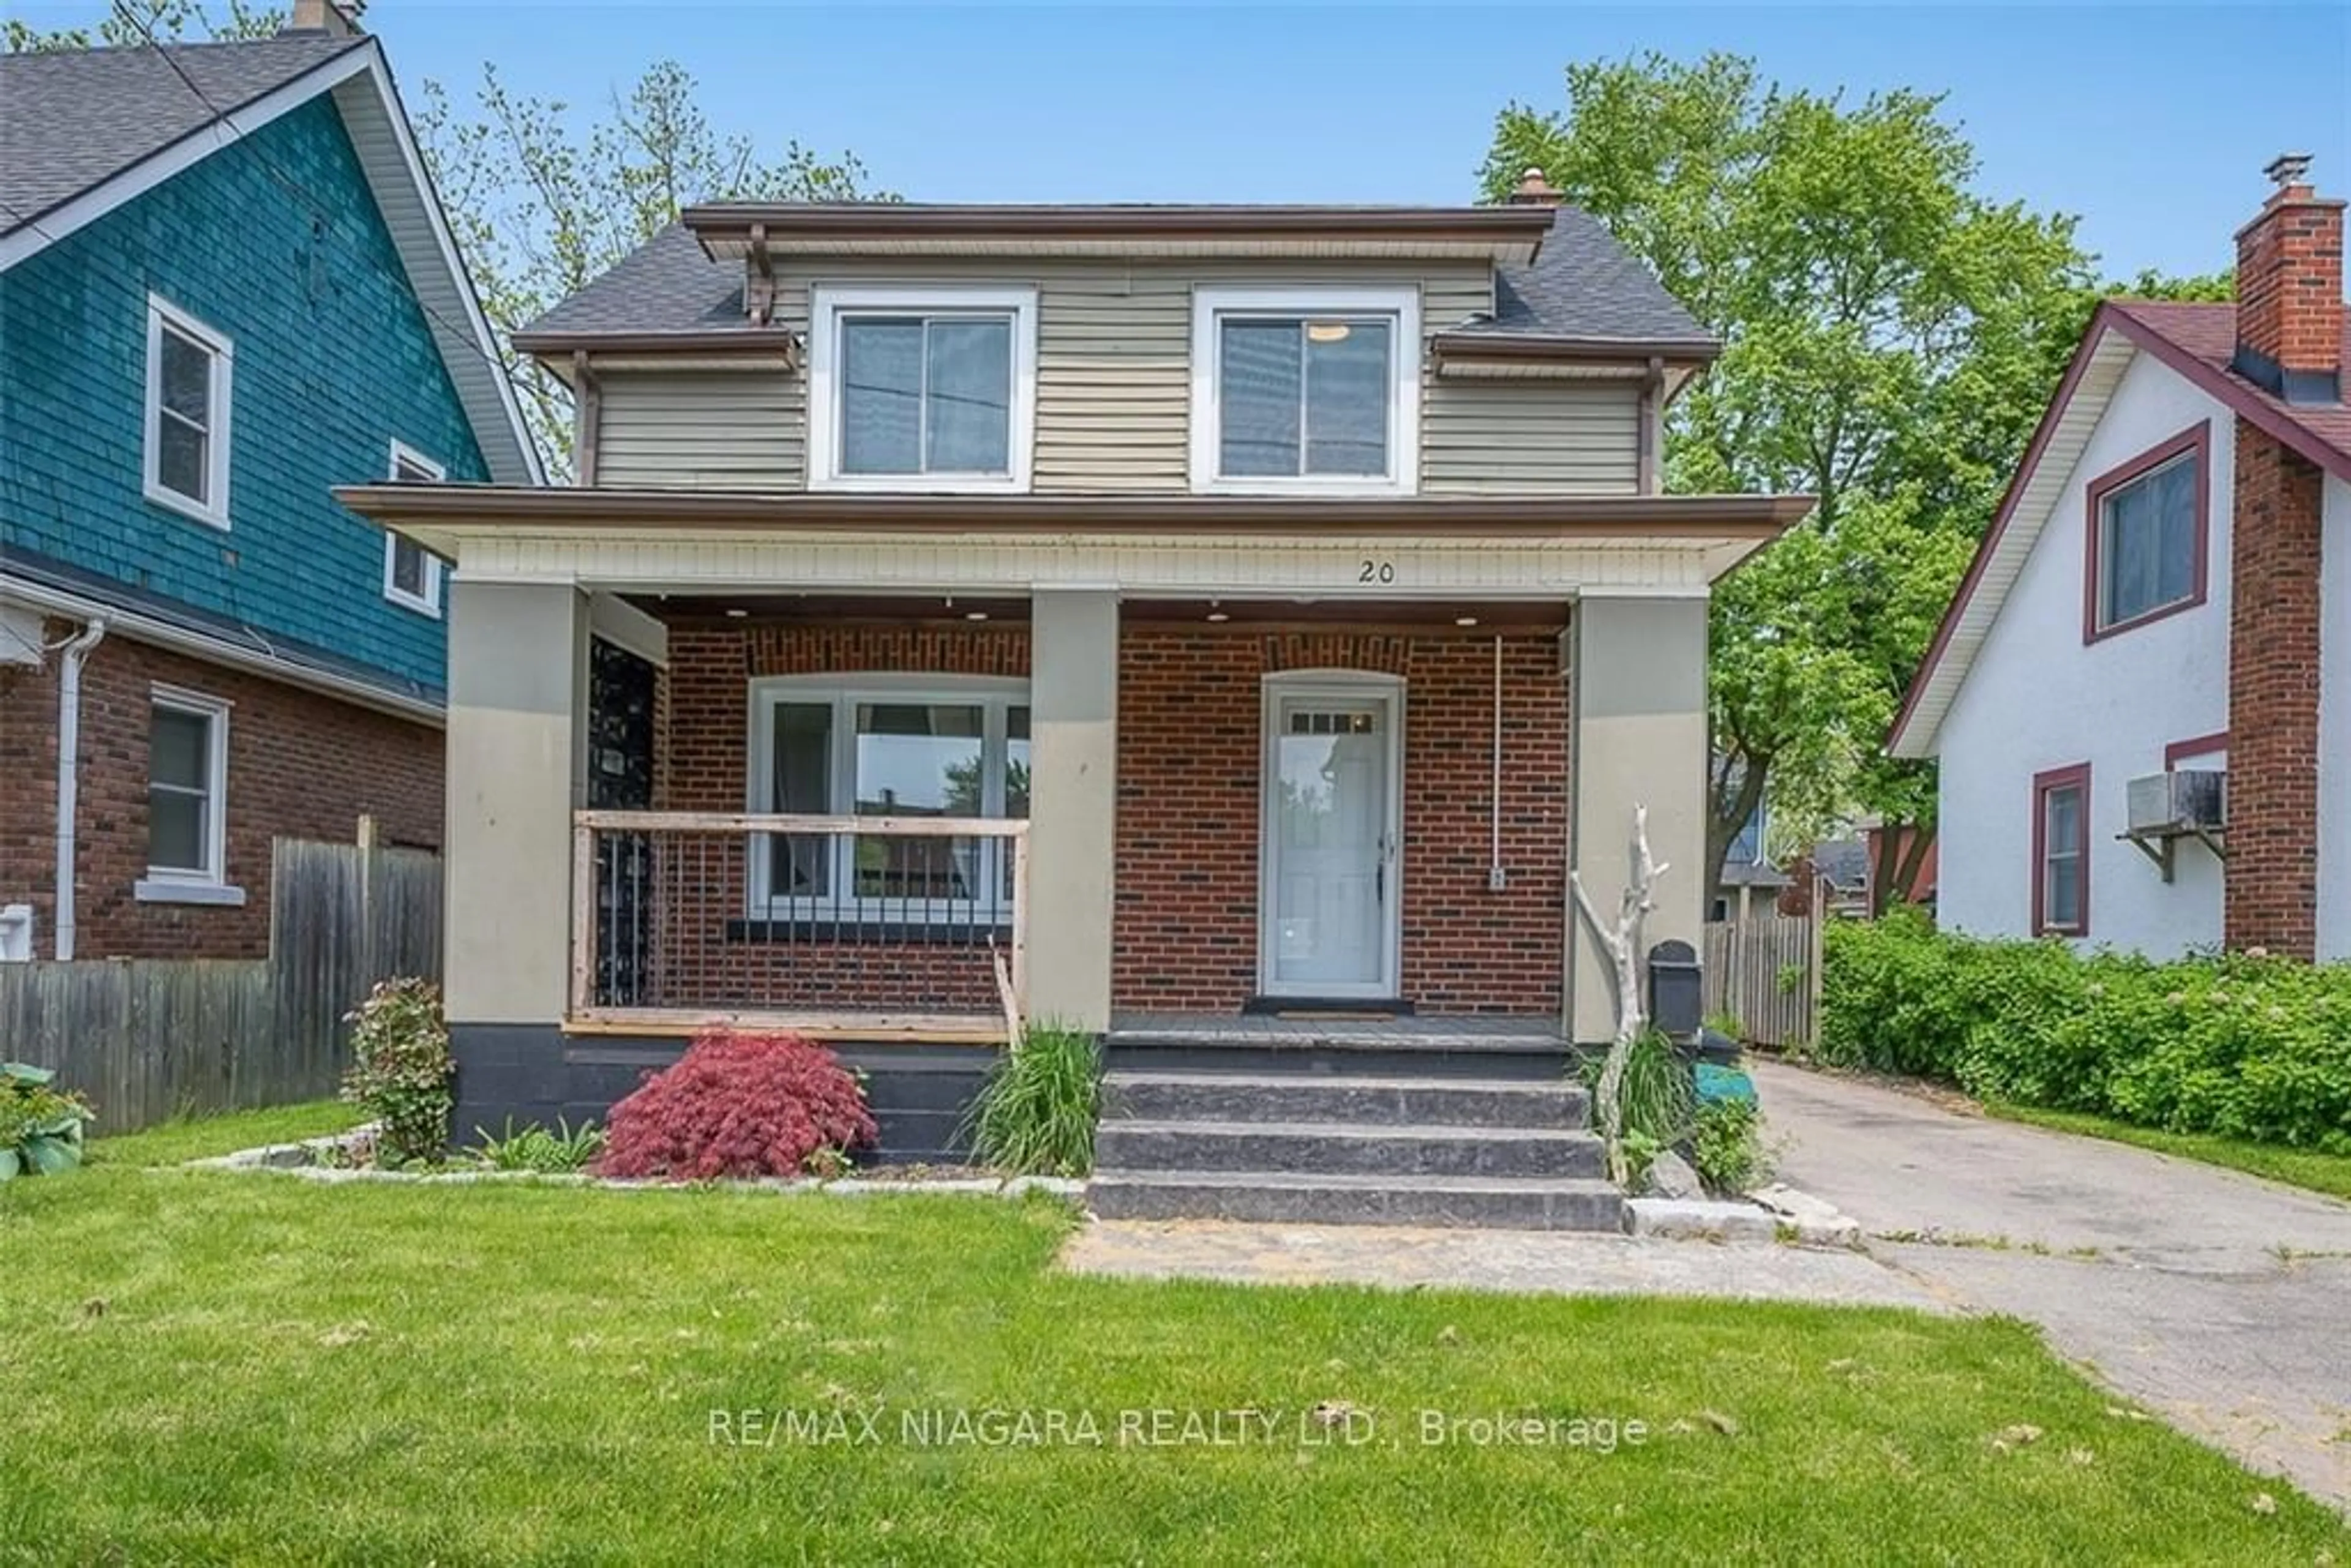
(1345, 1149)
(1266, 1198)
(1525, 1062)
(1360, 1100)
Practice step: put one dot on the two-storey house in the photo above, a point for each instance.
(225, 286)
(1210, 612)
(2141, 695)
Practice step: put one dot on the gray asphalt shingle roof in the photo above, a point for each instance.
(72, 119)
(1582, 286)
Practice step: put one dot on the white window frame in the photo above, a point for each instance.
(993, 694)
(162, 316)
(1211, 307)
(829, 304)
(207, 883)
(429, 603)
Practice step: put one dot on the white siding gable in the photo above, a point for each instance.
(2037, 698)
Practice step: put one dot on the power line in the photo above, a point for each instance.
(325, 213)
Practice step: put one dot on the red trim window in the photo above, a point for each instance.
(2148, 554)
(2060, 852)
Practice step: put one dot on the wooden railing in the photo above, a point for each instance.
(887, 925)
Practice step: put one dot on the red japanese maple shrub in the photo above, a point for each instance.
(740, 1105)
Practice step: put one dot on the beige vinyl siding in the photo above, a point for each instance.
(1114, 388)
(1531, 438)
(700, 430)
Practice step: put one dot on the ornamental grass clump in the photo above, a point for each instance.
(740, 1105)
(401, 1072)
(1035, 1115)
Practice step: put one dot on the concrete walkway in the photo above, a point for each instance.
(2220, 1300)
(1556, 1262)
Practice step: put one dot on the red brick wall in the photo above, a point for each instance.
(2290, 282)
(702, 882)
(2270, 897)
(1189, 763)
(1189, 745)
(300, 765)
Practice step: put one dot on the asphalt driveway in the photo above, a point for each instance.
(2220, 1299)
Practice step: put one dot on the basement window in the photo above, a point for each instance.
(919, 388)
(412, 574)
(1306, 390)
(188, 367)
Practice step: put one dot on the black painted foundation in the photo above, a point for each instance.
(535, 1072)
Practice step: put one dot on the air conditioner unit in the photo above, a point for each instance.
(2184, 801)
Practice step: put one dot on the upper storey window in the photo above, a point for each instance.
(2147, 535)
(1306, 390)
(187, 414)
(921, 388)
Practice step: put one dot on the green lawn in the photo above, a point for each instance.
(204, 1366)
(2329, 1174)
(199, 1137)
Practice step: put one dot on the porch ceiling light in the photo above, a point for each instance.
(1216, 613)
(1465, 621)
(974, 614)
(1326, 331)
(736, 613)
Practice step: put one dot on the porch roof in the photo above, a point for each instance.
(440, 515)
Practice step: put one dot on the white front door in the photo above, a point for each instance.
(1329, 893)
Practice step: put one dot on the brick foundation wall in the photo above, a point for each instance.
(1189, 765)
(300, 765)
(2272, 887)
(702, 882)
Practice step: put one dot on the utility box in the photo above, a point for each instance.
(1677, 1001)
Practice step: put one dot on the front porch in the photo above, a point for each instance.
(861, 818)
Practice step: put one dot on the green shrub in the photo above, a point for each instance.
(1658, 1094)
(534, 1148)
(1036, 1113)
(40, 1127)
(401, 1071)
(1727, 1147)
(2253, 1048)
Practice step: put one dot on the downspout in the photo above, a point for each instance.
(69, 662)
(1651, 419)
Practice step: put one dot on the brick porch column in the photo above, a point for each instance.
(516, 767)
(1072, 803)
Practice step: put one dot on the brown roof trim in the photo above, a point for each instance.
(662, 511)
(2241, 398)
(718, 340)
(868, 220)
(1505, 346)
(2084, 351)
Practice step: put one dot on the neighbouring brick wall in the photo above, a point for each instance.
(300, 765)
(1189, 763)
(702, 881)
(2272, 887)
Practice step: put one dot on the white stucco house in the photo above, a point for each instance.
(2141, 695)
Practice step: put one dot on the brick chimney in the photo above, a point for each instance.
(2290, 343)
(2290, 290)
(326, 17)
(1534, 190)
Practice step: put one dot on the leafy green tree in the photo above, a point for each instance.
(1888, 340)
(541, 205)
(133, 22)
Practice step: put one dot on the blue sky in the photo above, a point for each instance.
(2151, 123)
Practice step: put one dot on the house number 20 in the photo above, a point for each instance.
(1376, 571)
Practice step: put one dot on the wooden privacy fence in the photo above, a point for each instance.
(147, 1038)
(1761, 971)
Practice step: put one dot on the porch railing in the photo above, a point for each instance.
(893, 925)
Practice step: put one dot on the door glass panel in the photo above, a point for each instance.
(918, 759)
(1330, 888)
(799, 866)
